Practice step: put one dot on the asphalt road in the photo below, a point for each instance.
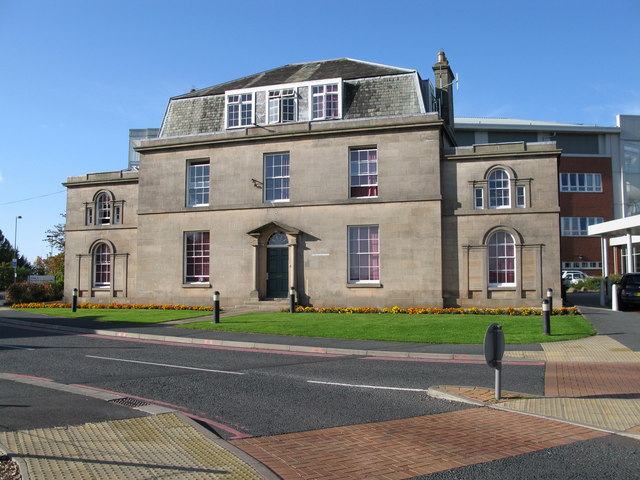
(255, 393)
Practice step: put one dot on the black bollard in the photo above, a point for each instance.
(546, 317)
(292, 300)
(74, 300)
(216, 307)
(550, 298)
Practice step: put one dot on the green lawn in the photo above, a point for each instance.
(114, 315)
(402, 327)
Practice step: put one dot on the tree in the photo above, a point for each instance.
(55, 237)
(7, 254)
(51, 266)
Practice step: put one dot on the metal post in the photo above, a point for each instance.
(550, 298)
(292, 300)
(216, 307)
(74, 300)
(603, 292)
(498, 383)
(15, 247)
(546, 317)
(614, 297)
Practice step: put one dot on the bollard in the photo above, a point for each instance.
(216, 307)
(74, 300)
(614, 297)
(493, 352)
(603, 292)
(292, 300)
(550, 298)
(546, 317)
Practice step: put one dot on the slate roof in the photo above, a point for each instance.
(345, 68)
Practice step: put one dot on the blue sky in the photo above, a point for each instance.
(77, 75)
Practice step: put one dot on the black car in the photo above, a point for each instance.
(629, 290)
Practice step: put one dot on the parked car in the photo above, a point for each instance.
(573, 276)
(629, 290)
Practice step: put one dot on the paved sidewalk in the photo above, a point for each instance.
(592, 386)
(160, 446)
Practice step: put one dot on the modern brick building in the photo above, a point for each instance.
(339, 178)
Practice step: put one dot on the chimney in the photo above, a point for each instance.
(444, 79)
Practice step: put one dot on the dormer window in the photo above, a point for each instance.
(239, 110)
(325, 101)
(282, 106)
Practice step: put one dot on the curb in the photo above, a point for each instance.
(262, 346)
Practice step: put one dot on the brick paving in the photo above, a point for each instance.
(410, 447)
(582, 379)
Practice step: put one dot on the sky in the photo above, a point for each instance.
(76, 75)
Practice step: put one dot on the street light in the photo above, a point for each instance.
(15, 246)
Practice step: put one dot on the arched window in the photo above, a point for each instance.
(502, 259)
(102, 266)
(499, 189)
(278, 239)
(103, 209)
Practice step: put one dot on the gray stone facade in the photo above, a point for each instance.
(430, 238)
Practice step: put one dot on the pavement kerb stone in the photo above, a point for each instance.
(265, 472)
(505, 408)
(22, 466)
(436, 392)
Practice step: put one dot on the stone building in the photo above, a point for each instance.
(340, 179)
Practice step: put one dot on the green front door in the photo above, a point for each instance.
(277, 272)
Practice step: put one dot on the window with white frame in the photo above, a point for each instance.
(102, 266)
(276, 177)
(198, 181)
(363, 166)
(581, 182)
(104, 210)
(364, 254)
(499, 189)
(325, 101)
(196, 257)
(282, 106)
(577, 226)
(502, 259)
(239, 110)
(579, 265)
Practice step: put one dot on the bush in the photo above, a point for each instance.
(26, 292)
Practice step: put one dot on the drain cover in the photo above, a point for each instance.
(129, 402)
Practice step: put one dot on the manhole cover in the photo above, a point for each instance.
(129, 402)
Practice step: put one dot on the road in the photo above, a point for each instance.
(255, 393)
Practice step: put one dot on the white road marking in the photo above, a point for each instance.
(375, 387)
(15, 347)
(165, 365)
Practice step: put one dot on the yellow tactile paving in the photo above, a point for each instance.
(600, 349)
(160, 446)
(612, 414)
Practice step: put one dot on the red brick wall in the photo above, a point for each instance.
(583, 204)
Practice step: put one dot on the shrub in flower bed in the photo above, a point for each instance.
(526, 311)
(115, 306)
(22, 292)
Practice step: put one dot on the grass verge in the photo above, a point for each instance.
(125, 316)
(468, 329)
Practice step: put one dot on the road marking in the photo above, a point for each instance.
(165, 365)
(15, 347)
(375, 387)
